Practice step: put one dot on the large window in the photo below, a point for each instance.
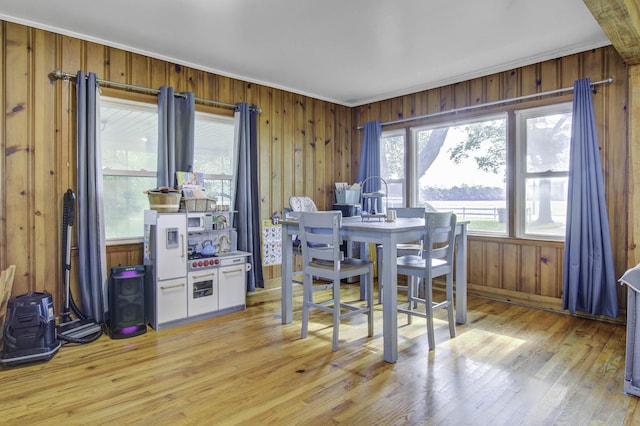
(465, 166)
(129, 147)
(462, 167)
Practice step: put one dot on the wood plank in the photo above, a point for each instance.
(139, 71)
(511, 267)
(549, 75)
(19, 165)
(550, 263)
(570, 67)
(321, 157)
(94, 59)
(529, 277)
(494, 264)
(461, 94)
(116, 68)
(476, 251)
(300, 147)
(46, 268)
(286, 109)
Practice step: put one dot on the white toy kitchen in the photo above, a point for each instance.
(194, 270)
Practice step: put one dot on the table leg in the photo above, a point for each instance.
(287, 285)
(461, 276)
(390, 299)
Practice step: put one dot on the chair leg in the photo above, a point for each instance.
(428, 294)
(336, 312)
(369, 281)
(379, 260)
(450, 306)
(307, 295)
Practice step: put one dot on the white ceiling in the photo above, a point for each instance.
(349, 52)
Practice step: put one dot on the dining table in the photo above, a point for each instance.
(389, 234)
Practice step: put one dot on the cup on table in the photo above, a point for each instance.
(392, 215)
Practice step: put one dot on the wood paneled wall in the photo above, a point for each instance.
(529, 271)
(305, 146)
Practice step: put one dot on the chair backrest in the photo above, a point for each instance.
(320, 236)
(409, 212)
(302, 204)
(439, 236)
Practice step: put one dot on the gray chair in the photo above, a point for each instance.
(299, 204)
(322, 257)
(436, 260)
(402, 248)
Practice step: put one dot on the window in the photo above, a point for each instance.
(462, 167)
(129, 149)
(392, 166)
(544, 136)
(215, 155)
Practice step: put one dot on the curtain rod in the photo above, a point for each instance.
(505, 101)
(61, 75)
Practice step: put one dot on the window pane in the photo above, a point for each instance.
(544, 142)
(463, 168)
(124, 205)
(129, 136)
(214, 146)
(216, 155)
(219, 188)
(546, 206)
(392, 167)
(129, 146)
(548, 139)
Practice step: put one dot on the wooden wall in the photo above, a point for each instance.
(305, 146)
(519, 270)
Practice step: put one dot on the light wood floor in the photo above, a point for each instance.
(509, 365)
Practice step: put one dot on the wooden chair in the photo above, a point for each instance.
(436, 261)
(402, 248)
(322, 257)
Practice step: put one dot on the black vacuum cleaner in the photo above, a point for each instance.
(81, 329)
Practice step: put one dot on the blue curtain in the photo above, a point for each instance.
(370, 159)
(91, 247)
(247, 201)
(176, 134)
(589, 276)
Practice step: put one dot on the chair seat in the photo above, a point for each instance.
(348, 263)
(407, 246)
(413, 261)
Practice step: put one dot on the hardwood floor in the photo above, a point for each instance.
(508, 365)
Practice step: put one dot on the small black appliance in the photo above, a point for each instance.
(29, 330)
(127, 317)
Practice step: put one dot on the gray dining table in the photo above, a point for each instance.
(389, 234)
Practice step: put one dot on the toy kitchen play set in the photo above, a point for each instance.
(195, 269)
